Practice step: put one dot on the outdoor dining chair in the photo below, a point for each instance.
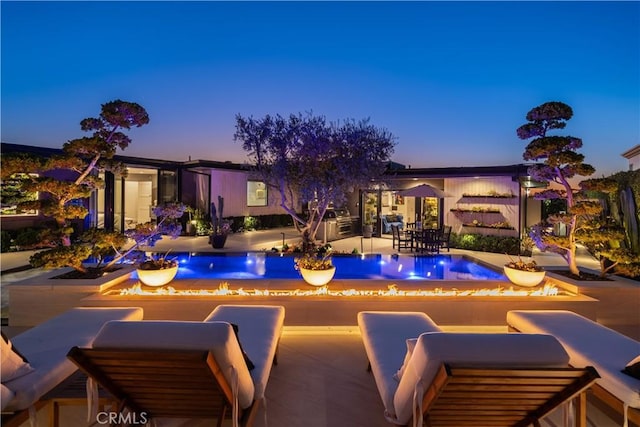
(401, 240)
(428, 240)
(445, 237)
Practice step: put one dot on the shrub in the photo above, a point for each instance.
(250, 223)
(260, 222)
(479, 242)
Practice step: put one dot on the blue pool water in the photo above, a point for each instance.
(259, 265)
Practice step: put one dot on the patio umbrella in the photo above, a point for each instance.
(423, 190)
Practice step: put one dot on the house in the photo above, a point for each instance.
(485, 200)
(633, 155)
(491, 200)
(127, 200)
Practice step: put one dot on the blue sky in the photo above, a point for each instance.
(452, 80)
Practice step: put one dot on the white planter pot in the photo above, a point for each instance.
(157, 277)
(524, 278)
(318, 277)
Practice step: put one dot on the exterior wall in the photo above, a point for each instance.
(633, 156)
(232, 185)
(533, 212)
(634, 162)
(508, 208)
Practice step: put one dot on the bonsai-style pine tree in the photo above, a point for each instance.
(605, 238)
(320, 161)
(560, 163)
(62, 179)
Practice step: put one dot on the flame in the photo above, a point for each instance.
(392, 291)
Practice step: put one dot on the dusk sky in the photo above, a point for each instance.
(451, 80)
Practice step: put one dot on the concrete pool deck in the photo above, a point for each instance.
(321, 379)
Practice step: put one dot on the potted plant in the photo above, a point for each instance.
(157, 271)
(190, 226)
(523, 273)
(316, 267)
(220, 227)
(369, 213)
(367, 228)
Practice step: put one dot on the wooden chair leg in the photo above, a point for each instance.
(581, 410)
(250, 414)
(222, 415)
(54, 414)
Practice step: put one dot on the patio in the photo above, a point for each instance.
(321, 379)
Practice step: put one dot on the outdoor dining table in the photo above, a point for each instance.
(424, 239)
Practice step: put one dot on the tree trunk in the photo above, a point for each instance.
(65, 238)
(571, 255)
(308, 241)
(571, 260)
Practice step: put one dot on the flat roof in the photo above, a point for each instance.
(632, 152)
(130, 160)
(394, 170)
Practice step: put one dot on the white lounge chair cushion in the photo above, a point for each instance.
(216, 337)
(411, 345)
(6, 394)
(474, 350)
(46, 347)
(588, 344)
(384, 334)
(259, 330)
(12, 364)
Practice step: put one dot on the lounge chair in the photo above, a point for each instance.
(259, 331)
(178, 369)
(383, 331)
(45, 348)
(591, 344)
(460, 379)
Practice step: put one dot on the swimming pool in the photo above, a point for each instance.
(261, 265)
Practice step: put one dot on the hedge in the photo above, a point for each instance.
(483, 243)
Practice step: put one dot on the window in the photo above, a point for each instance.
(11, 195)
(168, 186)
(256, 193)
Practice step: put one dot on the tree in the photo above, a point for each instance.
(321, 162)
(83, 157)
(605, 237)
(560, 163)
(61, 180)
